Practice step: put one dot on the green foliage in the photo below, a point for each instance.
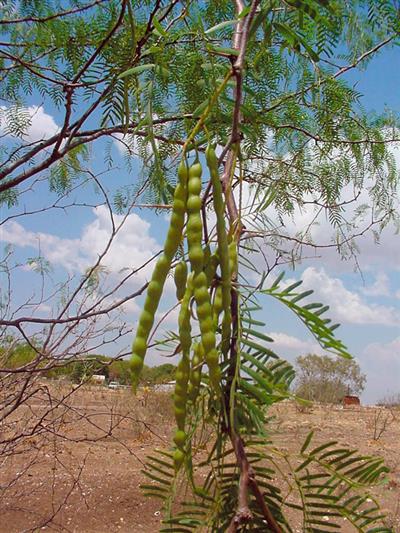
(323, 485)
(120, 371)
(16, 355)
(151, 72)
(296, 110)
(153, 375)
(322, 480)
(325, 379)
(310, 314)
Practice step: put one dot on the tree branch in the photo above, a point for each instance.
(54, 16)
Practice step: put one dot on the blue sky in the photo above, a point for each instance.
(367, 304)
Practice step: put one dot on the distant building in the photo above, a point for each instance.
(165, 387)
(98, 379)
(351, 400)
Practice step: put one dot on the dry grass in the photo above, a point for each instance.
(83, 473)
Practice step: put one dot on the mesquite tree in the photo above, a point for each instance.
(262, 83)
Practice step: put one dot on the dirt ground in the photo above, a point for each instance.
(82, 472)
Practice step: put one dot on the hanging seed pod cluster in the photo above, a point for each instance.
(205, 289)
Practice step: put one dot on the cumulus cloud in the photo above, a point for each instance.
(380, 287)
(284, 341)
(42, 124)
(312, 221)
(345, 305)
(39, 125)
(131, 247)
(381, 362)
(385, 352)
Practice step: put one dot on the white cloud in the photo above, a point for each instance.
(345, 305)
(42, 308)
(59, 251)
(42, 124)
(380, 287)
(131, 247)
(131, 307)
(125, 143)
(381, 362)
(289, 342)
(312, 221)
(384, 352)
(39, 124)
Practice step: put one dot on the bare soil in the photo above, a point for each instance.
(84, 474)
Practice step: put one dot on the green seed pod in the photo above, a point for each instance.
(198, 355)
(180, 415)
(207, 327)
(140, 346)
(184, 321)
(160, 270)
(147, 318)
(202, 293)
(214, 369)
(223, 251)
(195, 170)
(180, 278)
(194, 190)
(210, 267)
(202, 311)
(196, 257)
(179, 457)
(212, 358)
(180, 438)
(141, 331)
(180, 401)
(208, 323)
(217, 305)
(149, 308)
(233, 258)
(195, 372)
(163, 266)
(195, 225)
(183, 370)
(154, 289)
(136, 363)
(208, 340)
(179, 390)
(180, 204)
(194, 203)
(179, 376)
(183, 172)
(200, 281)
(194, 386)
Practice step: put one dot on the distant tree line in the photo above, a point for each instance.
(319, 378)
(80, 370)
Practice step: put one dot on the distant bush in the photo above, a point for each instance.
(151, 375)
(155, 375)
(16, 355)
